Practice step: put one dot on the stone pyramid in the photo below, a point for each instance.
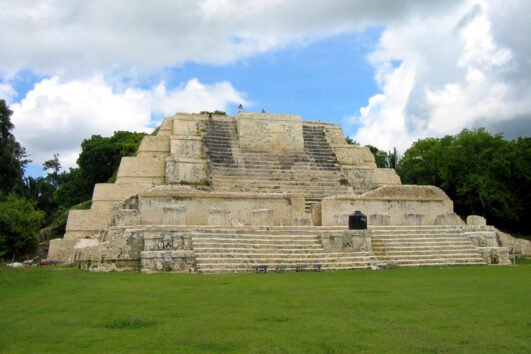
(264, 191)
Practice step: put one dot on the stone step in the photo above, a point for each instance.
(272, 163)
(247, 267)
(425, 243)
(439, 260)
(295, 185)
(420, 235)
(217, 164)
(443, 262)
(269, 230)
(272, 257)
(292, 174)
(215, 249)
(258, 244)
(426, 252)
(414, 248)
(386, 228)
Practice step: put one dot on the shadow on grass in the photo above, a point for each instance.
(133, 323)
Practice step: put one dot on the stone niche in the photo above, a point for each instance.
(272, 132)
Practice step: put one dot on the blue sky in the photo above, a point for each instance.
(388, 71)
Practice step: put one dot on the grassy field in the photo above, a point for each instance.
(425, 310)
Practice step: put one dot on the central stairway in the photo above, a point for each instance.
(290, 248)
(313, 173)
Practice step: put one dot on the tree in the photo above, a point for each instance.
(98, 161)
(19, 226)
(351, 141)
(13, 156)
(380, 157)
(484, 174)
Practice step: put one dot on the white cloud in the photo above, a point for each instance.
(56, 116)
(452, 74)
(79, 37)
(440, 65)
(7, 92)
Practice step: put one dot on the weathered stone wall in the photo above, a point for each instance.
(519, 246)
(154, 146)
(271, 132)
(141, 170)
(187, 162)
(386, 176)
(108, 195)
(390, 205)
(157, 206)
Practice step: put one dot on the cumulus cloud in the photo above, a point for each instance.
(443, 73)
(56, 116)
(440, 65)
(7, 92)
(54, 37)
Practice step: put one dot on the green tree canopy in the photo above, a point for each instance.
(484, 174)
(19, 226)
(13, 156)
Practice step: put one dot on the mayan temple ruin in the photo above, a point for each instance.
(237, 194)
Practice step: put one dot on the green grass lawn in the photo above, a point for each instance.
(485, 309)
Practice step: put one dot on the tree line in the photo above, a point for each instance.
(484, 174)
(34, 209)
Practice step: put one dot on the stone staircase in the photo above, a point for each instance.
(411, 246)
(313, 173)
(289, 248)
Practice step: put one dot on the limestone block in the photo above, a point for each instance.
(495, 255)
(517, 245)
(184, 125)
(335, 135)
(88, 220)
(298, 206)
(186, 170)
(62, 249)
(123, 217)
(379, 219)
(354, 155)
(361, 178)
(302, 221)
(108, 195)
(166, 128)
(483, 238)
(316, 214)
(385, 176)
(154, 146)
(217, 216)
(119, 252)
(271, 132)
(341, 219)
(476, 220)
(168, 261)
(187, 146)
(347, 241)
(448, 219)
(262, 217)
(141, 170)
(414, 219)
(405, 205)
(174, 215)
(360, 241)
(167, 240)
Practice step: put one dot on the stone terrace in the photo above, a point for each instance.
(313, 173)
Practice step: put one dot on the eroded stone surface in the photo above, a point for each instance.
(225, 193)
